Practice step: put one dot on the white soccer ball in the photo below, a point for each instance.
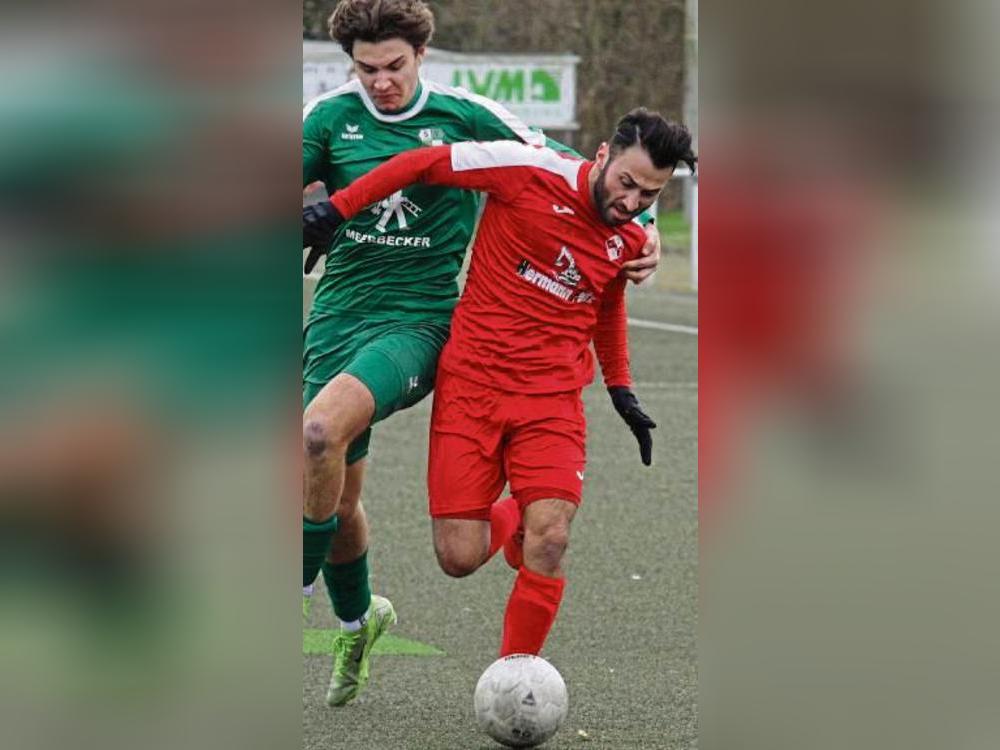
(521, 700)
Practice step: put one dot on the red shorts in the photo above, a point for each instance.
(482, 438)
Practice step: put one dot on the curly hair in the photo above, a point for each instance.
(379, 20)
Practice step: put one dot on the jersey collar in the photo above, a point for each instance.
(413, 108)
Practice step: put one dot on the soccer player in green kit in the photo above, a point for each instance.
(382, 309)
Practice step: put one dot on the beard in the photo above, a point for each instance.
(604, 204)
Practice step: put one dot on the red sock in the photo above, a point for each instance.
(531, 610)
(505, 517)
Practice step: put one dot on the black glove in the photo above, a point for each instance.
(627, 405)
(320, 222)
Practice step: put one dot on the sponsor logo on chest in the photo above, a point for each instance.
(561, 282)
(351, 133)
(397, 207)
(614, 247)
(431, 136)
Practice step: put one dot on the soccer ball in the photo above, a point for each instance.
(521, 700)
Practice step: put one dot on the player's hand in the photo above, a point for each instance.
(627, 405)
(320, 222)
(641, 268)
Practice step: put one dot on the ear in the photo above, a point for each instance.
(602, 155)
(419, 53)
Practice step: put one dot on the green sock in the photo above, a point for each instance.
(348, 586)
(316, 539)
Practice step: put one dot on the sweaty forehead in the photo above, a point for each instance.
(635, 162)
(380, 54)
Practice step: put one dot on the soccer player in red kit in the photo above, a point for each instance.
(545, 280)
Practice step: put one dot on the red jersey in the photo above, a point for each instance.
(545, 277)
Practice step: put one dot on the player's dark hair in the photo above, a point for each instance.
(666, 142)
(379, 20)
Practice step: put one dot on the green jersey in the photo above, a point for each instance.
(399, 258)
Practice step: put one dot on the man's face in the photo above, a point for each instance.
(388, 71)
(627, 184)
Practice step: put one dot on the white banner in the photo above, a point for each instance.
(540, 89)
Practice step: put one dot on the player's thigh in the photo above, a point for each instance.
(399, 366)
(329, 344)
(546, 452)
(395, 362)
(465, 472)
(358, 448)
(342, 409)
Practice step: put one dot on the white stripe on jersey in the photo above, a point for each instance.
(351, 87)
(472, 155)
(513, 122)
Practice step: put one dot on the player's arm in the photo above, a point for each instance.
(611, 345)
(314, 139)
(639, 269)
(489, 167)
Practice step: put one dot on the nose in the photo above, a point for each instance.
(382, 83)
(631, 201)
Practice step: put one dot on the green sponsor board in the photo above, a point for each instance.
(511, 85)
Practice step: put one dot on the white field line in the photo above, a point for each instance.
(665, 386)
(657, 326)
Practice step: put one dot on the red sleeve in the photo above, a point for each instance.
(433, 166)
(611, 337)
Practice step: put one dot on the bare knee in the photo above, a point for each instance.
(461, 546)
(315, 438)
(324, 435)
(458, 564)
(548, 544)
(338, 415)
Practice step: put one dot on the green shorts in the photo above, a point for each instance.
(396, 360)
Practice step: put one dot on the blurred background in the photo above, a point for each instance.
(149, 340)
(848, 368)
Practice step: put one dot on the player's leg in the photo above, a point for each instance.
(356, 372)
(345, 570)
(546, 535)
(545, 459)
(397, 368)
(364, 616)
(538, 588)
(330, 343)
(340, 413)
(465, 544)
(465, 474)
(507, 530)
(461, 544)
